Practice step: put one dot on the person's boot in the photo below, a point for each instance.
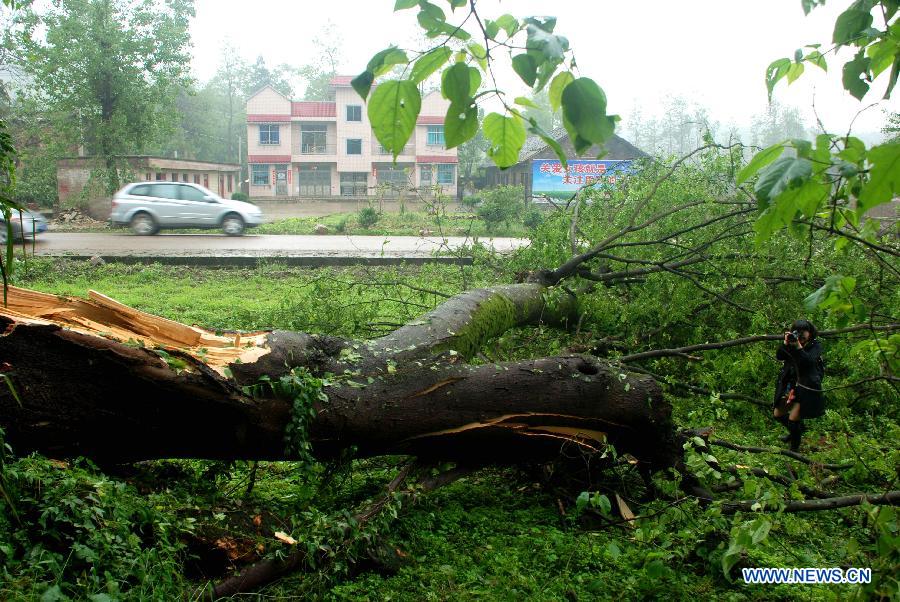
(796, 428)
(786, 424)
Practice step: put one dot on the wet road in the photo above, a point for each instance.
(218, 245)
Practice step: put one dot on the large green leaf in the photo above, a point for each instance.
(456, 83)
(461, 123)
(850, 24)
(784, 173)
(884, 176)
(774, 72)
(854, 75)
(526, 67)
(557, 86)
(584, 110)
(760, 160)
(379, 64)
(430, 62)
(393, 110)
(506, 135)
(551, 142)
(403, 4)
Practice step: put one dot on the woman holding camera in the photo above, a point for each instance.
(798, 394)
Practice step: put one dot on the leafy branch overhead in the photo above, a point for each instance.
(466, 60)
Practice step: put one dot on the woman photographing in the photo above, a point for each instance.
(798, 394)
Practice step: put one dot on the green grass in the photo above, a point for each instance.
(389, 224)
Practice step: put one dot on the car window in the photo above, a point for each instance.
(164, 191)
(142, 190)
(189, 193)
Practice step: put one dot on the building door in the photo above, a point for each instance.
(281, 183)
(221, 185)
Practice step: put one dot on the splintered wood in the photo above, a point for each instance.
(102, 316)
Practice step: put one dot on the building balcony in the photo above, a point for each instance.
(380, 151)
(318, 149)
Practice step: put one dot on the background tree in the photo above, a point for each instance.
(108, 71)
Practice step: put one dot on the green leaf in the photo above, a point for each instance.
(557, 86)
(852, 74)
(760, 160)
(526, 67)
(794, 71)
(760, 528)
(508, 23)
(774, 72)
(404, 4)
(393, 110)
(382, 62)
(602, 502)
(456, 83)
(584, 109)
(429, 62)
(850, 24)
(362, 83)
(461, 123)
(818, 59)
(506, 135)
(884, 176)
(784, 173)
(549, 140)
(524, 101)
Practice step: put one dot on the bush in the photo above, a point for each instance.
(471, 201)
(239, 196)
(341, 224)
(367, 217)
(533, 218)
(501, 205)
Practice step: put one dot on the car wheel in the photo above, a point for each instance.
(143, 224)
(233, 225)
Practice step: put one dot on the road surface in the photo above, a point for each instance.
(219, 245)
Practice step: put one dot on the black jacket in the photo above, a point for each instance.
(804, 370)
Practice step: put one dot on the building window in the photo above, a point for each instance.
(149, 176)
(196, 178)
(354, 146)
(260, 175)
(313, 138)
(269, 134)
(184, 177)
(435, 135)
(230, 182)
(174, 177)
(354, 183)
(159, 176)
(354, 113)
(425, 175)
(314, 180)
(396, 177)
(445, 173)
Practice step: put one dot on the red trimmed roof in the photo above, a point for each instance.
(267, 118)
(313, 109)
(268, 158)
(341, 80)
(436, 159)
(430, 119)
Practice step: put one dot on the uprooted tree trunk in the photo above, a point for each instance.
(96, 378)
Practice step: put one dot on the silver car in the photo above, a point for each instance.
(148, 207)
(26, 225)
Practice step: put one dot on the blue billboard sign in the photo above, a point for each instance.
(548, 177)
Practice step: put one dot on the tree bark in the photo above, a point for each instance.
(88, 379)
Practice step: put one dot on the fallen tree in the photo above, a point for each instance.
(96, 378)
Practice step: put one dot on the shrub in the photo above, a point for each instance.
(533, 218)
(501, 205)
(341, 224)
(471, 201)
(367, 217)
(239, 196)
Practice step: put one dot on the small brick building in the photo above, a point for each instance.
(74, 173)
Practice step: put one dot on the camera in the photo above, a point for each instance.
(793, 336)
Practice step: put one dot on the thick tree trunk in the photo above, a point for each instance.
(89, 380)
